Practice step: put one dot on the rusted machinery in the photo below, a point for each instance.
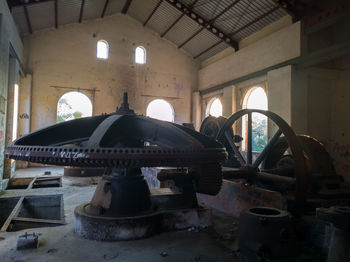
(122, 142)
(298, 166)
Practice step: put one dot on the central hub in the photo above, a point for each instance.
(123, 192)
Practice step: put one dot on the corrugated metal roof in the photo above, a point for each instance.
(163, 18)
(20, 19)
(68, 11)
(243, 13)
(93, 9)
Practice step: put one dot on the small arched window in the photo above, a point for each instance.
(102, 49)
(73, 105)
(214, 107)
(256, 98)
(140, 55)
(161, 110)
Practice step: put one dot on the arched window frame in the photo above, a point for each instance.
(144, 55)
(245, 106)
(210, 103)
(170, 105)
(85, 95)
(105, 55)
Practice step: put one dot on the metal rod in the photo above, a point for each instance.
(267, 149)
(206, 50)
(249, 139)
(77, 88)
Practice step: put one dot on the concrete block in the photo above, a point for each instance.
(27, 241)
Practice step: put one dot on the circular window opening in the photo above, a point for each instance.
(161, 110)
(73, 105)
(214, 107)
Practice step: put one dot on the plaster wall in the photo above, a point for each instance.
(273, 49)
(8, 35)
(339, 124)
(66, 58)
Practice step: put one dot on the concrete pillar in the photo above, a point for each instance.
(228, 100)
(196, 110)
(279, 95)
(24, 111)
(13, 78)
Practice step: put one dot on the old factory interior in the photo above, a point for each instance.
(174, 130)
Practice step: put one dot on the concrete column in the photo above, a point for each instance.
(196, 110)
(279, 95)
(24, 111)
(227, 101)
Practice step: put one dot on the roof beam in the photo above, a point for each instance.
(211, 22)
(202, 21)
(240, 29)
(28, 20)
(126, 6)
(178, 19)
(56, 14)
(288, 7)
(104, 8)
(81, 11)
(152, 13)
(18, 3)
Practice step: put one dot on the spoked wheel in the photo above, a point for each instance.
(297, 185)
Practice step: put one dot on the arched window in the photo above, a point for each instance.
(73, 105)
(160, 109)
(256, 99)
(214, 107)
(140, 55)
(102, 49)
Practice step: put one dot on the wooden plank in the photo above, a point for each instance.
(16, 209)
(13, 214)
(38, 220)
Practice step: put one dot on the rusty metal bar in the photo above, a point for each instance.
(81, 11)
(152, 13)
(104, 8)
(126, 6)
(202, 21)
(28, 20)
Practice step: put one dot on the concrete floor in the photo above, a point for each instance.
(62, 244)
